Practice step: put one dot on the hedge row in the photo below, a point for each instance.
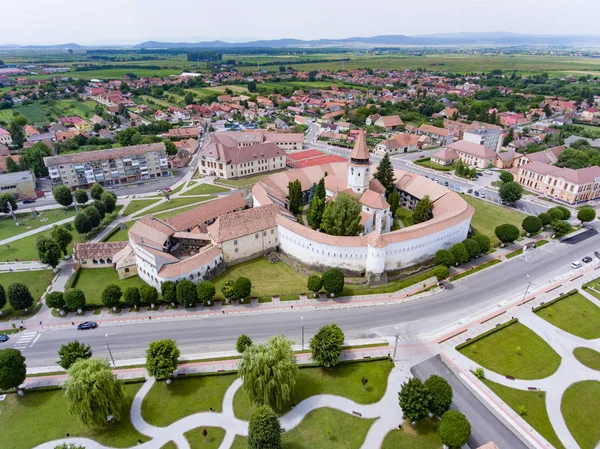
(549, 303)
(485, 334)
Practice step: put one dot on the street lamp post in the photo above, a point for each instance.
(396, 345)
(526, 290)
(302, 326)
(110, 353)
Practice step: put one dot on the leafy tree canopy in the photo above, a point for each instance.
(72, 351)
(342, 216)
(326, 345)
(162, 358)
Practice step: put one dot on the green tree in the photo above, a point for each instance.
(55, 300)
(74, 299)
(342, 216)
(186, 293)
(2, 298)
(93, 393)
(12, 369)
(82, 223)
(81, 196)
(314, 283)
(33, 159)
(269, 372)
(444, 257)
(565, 212)
(472, 248)
(507, 233)
(109, 202)
(484, 242)
(48, 251)
(19, 296)
(264, 430)
(314, 215)
(62, 195)
(93, 215)
(12, 166)
(586, 214)
(242, 287)
(460, 253)
(295, 196)
(414, 399)
(424, 210)
(506, 177)
(326, 345)
(111, 295)
(72, 351)
(440, 393)
(96, 191)
(545, 218)
(243, 342)
(555, 213)
(162, 358)
(7, 203)
(206, 291)
(169, 291)
(227, 289)
(62, 237)
(333, 281)
(17, 134)
(131, 297)
(100, 207)
(148, 294)
(441, 272)
(531, 224)
(560, 227)
(394, 201)
(454, 429)
(385, 173)
(511, 192)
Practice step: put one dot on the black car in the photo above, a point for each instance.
(28, 201)
(479, 174)
(470, 191)
(476, 192)
(587, 259)
(597, 254)
(87, 325)
(446, 184)
(3, 337)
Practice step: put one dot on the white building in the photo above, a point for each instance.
(489, 138)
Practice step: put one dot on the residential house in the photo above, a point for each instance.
(473, 154)
(389, 122)
(590, 114)
(444, 157)
(398, 143)
(5, 137)
(371, 119)
(438, 136)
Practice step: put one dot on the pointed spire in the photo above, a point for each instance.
(360, 153)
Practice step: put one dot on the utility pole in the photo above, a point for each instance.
(396, 345)
(302, 326)
(110, 352)
(526, 290)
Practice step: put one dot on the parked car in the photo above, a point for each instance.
(503, 202)
(421, 155)
(446, 184)
(587, 259)
(479, 174)
(470, 191)
(487, 172)
(597, 254)
(576, 265)
(168, 189)
(482, 195)
(3, 337)
(87, 325)
(476, 192)
(159, 192)
(28, 201)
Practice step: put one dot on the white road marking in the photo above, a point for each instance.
(36, 339)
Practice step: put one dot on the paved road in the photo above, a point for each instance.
(485, 426)
(470, 295)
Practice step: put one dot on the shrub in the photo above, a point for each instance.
(506, 177)
(480, 373)
(484, 242)
(454, 429)
(206, 291)
(444, 257)
(522, 410)
(586, 214)
(314, 284)
(545, 218)
(472, 248)
(243, 342)
(460, 253)
(242, 287)
(264, 430)
(565, 212)
(507, 233)
(333, 281)
(440, 393)
(532, 224)
(560, 227)
(441, 272)
(555, 213)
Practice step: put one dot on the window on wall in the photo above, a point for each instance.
(235, 242)
(236, 250)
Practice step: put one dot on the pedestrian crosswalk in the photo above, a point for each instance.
(26, 339)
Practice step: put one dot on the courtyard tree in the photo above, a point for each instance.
(264, 430)
(424, 210)
(394, 201)
(314, 283)
(206, 291)
(586, 214)
(566, 213)
(62, 237)
(131, 297)
(169, 291)
(186, 293)
(12, 369)
(81, 196)
(506, 177)
(19, 296)
(48, 251)
(454, 429)
(74, 299)
(111, 295)
(472, 248)
(148, 294)
(440, 393)
(326, 345)
(55, 300)
(484, 242)
(333, 281)
(96, 191)
(100, 207)
(243, 342)
(444, 257)
(507, 233)
(82, 223)
(72, 351)
(8, 204)
(242, 288)
(62, 195)
(511, 192)
(385, 173)
(93, 216)
(109, 201)
(269, 372)
(317, 206)
(441, 272)
(342, 216)
(162, 358)
(532, 224)
(295, 196)
(545, 218)
(560, 227)
(414, 400)
(460, 253)
(93, 393)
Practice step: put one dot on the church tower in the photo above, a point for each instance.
(358, 169)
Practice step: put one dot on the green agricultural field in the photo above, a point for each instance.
(42, 416)
(488, 216)
(29, 223)
(498, 352)
(33, 113)
(574, 314)
(580, 408)
(92, 282)
(37, 282)
(588, 357)
(535, 404)
(422, 436)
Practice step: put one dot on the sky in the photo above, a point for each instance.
(133, 21)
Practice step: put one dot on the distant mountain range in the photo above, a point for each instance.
(448, 39)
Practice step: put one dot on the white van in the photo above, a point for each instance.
(575, 264)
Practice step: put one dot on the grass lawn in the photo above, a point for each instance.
(93, 280)
(498, 352)
(574, 314)
(593, 288)
(205, 189)
(36, 281)
(488, 216)
(42, 416)
(242, 182)
(422, 436)
(580, 408)
(342, 380)
(164, 404)
(267, 279)
(28, 223)
(393, 286)
(213, 438)
(475, 270)
(535, 404)
(588, 357)
(427, 163)
(178, 202)
(405, 215)
(137, 205)
(122, 235)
